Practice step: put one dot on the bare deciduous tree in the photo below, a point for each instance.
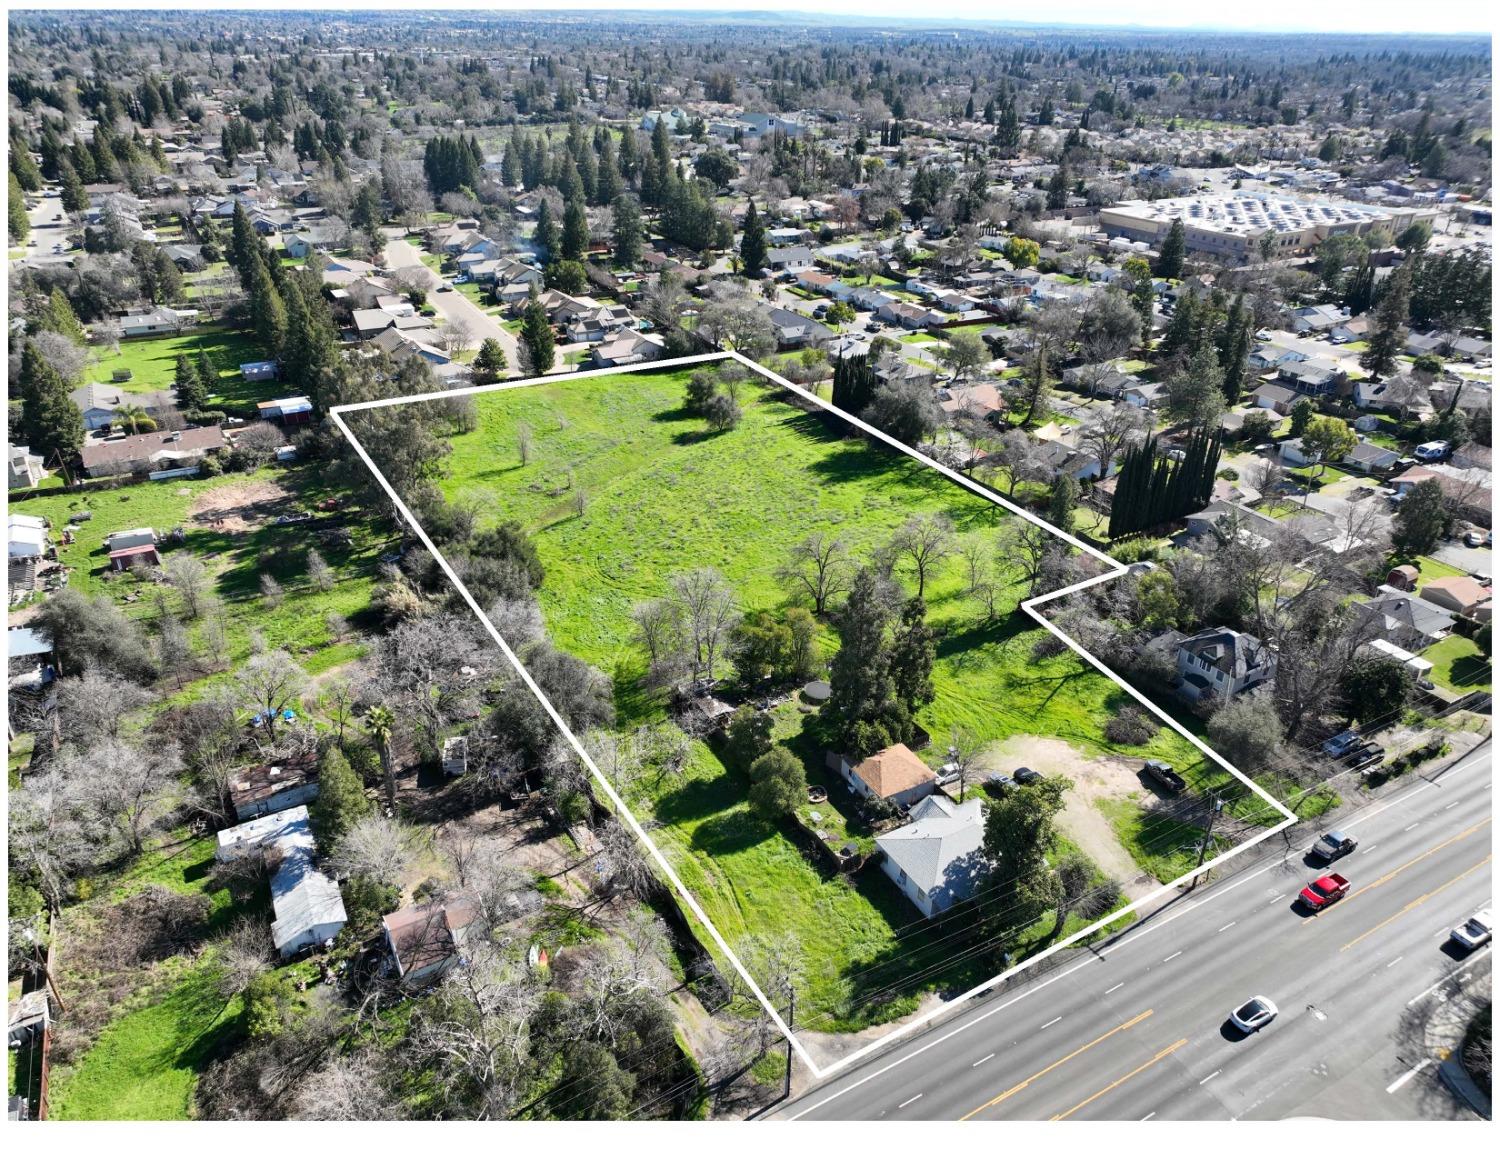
(924, 541)
(819, 566)
(271, 682)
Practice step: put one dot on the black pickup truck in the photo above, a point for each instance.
(1163, 776)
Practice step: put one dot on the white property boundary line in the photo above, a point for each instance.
(1030, 606)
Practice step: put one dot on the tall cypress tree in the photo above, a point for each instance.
(753, 244)
(51, 421)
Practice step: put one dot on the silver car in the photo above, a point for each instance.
(1254, 1014)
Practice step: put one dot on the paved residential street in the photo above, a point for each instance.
(1138, 1030)
(400, 254)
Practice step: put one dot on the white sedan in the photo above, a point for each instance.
(1253, 1014)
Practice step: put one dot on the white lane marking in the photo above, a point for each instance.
(1408, 1076)
(1455, 805)
(1115, 987)
(1368, 848)
(1451, 974)
(1276, 899)
(1394, 960)
(1169, 957)
(1410, 827)
(908, 1102)
(1054, 1022)
(986, 1058)
(1223, 928)
(1152, 1115)
(1215, 1075)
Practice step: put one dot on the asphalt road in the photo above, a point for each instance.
(401, 254)
(1139, 1029)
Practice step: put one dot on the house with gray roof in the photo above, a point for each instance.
(309, 909)
(938, 859)
(1405, 620)
(1220, 663)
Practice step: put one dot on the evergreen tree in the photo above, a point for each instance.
(18, 221)
(74, 197)
(538, 346)
(190, 393)
(50, 420)
(1173, 252)
(548, 236)
(864, 710)
(854, 383)
(23, 165)
(753, 243)
(1142, 294)
(1388, 331)
(1062, 501)
(56, 314)
(913, 650)
(575, 231)
(627, 230)
(267, 310)
(490, 362)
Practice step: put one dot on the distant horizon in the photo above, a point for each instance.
(1373, 18)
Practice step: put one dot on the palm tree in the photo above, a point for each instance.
(380, 722)
(134, 416)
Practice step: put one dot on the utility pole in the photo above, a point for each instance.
(791, 1017)
(1214, 811)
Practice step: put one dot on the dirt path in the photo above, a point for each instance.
(1094, 779)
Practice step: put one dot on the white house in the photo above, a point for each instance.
(308, 906)
(24, 468)
(938, 860)
(1221, 663)
(26, 536)
(894, 774)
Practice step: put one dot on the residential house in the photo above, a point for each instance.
(1270, 357)
(627, 348)
(308, 906)
(795, 331)
(1142, 394)
(266, 789)
(1318, 376)
(1461, 594)
(100, 405)
(1372, 457)
(1065, 460)
(1472, 457)
(1220, 663)
(1405, 620)
(24, 468)
(1268, 396)
(789, 259)
(938, 860)
(369, 323)
(894, 774)
(424, 941)
(1399, 392)
(904, 314)
(162, 320)
(1099, 379)
(1224, 520)
(153, 451)
(1312, 319)
(1294, 454)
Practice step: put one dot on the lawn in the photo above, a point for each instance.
(146, 1063)
(1459, 666)
(663, 496)
(236, 560)
(153, 365)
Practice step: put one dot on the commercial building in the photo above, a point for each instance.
(1232, 225)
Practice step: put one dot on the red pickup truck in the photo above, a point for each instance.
(1325, 891)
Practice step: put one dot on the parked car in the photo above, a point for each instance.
(1163, 776)
(1365, 757)
(1334, 844)
(1475, 932)
(445, 288)
(1474, 538)
(1325, 891)
(1254, 1014)
(1346, 742)
(999, 782)
(1026, 776)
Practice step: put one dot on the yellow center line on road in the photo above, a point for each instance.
(1147, 1065)
(1024, 1083)
(1411, 905)
(1379, 881)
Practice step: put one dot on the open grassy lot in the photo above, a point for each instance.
(1459, 666)
(663, 496)
(153, 364)
(236, 553)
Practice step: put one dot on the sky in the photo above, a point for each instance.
(1375, 16)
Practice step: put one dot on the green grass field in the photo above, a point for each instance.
(1459, 666)
(153, 365)
(236, 560)
(663, 496)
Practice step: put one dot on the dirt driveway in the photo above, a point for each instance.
(1094, 779)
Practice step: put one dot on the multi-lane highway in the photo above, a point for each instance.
(1138, 1030)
